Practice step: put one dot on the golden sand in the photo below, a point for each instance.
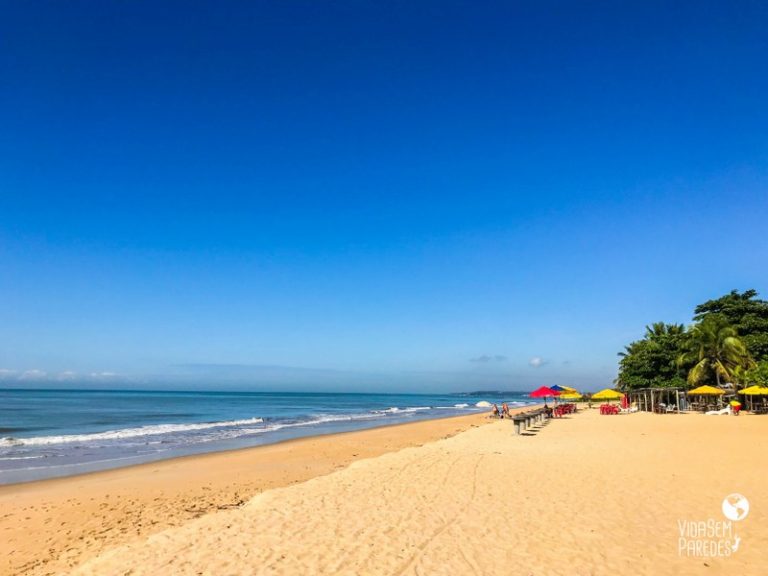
(50, 526)
(588, 494)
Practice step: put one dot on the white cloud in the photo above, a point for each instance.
(104, 375)
(485, 358)
(537, 362)
(33, 374)
(36, 375)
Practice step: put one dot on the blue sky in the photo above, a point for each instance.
(357, 195)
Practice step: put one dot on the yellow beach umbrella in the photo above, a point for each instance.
(570, 396)
(607, 394)
(755, 391)
(707, 391)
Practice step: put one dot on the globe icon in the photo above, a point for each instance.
(735, 507)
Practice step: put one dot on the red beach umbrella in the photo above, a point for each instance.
(544, 392)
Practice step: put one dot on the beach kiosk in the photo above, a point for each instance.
(706, 395)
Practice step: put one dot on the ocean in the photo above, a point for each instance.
(50, 433)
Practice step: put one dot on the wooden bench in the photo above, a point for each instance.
(525, 420)
(521, 423)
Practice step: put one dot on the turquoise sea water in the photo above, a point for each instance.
(47, 433)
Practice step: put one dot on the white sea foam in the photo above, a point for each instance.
(220, 430)
(22, 457)
(323, 418)
(125, 433)
(160, 429)
(320, 419)
(396, 410)
(483, 404)
(315, 420)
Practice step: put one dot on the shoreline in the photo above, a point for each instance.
(72, 432)
(56, 523)
(309, 435)
(211, 453)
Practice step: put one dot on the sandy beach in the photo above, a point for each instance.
(48, 527)
(586, 494)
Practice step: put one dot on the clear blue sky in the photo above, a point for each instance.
(392, 196)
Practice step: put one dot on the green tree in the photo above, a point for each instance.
(659, 331)
(756, 375)
(652, 361)
(747, 314)
(715, 350)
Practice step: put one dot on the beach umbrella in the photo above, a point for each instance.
(607, 394)
(558, 388)
(570, 396)
(755, 391)
(706, 391)
(563, 389)
(544, 392)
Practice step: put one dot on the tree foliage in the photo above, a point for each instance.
(747, 314)
(728, 336)
(757, 375)
(653, 361)
(715, 350)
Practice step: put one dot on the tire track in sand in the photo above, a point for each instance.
(442, 529)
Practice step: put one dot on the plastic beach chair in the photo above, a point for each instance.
(723, 412)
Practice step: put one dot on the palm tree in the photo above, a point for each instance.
(714, 346)
(659, 330)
